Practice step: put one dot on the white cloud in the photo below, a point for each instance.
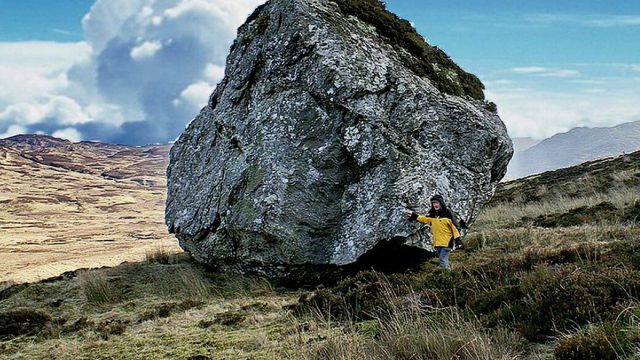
(146, 12)
(615, 20)
(31, 70)
(107, 19)
(68, 133)
(65, 32)
(587, 81)
(545, 72)
(499, 82)
(61, 109)
(66, 110)
(42, 55)
(24, 113)
(229, 12)
(214, 73)
(594, 91)
(625, 67)
(586, 19)
(13, 130)
(174, 49)
(529, 70)
(540, 114)
(145, 70)
(145, 50)
(195, 94)
(561, 73)
(600, 94)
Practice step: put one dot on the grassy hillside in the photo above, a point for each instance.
(594, 178)
(551, 269)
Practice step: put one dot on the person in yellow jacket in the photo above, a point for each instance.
(443, 230)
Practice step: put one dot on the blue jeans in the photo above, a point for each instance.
(443, 256)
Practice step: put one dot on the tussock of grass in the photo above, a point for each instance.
(111, 327)
(98, 289)
(356, 298)
(607, 341)
(620, 206)
(407, 329)
(166, 309)
(180, 282)
(159, 256)
(341, 346)
(232, 285)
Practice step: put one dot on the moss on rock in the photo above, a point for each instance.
(424, 59)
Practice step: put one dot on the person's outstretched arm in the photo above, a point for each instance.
(417, 217)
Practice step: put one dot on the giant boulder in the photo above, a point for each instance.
(333, 115)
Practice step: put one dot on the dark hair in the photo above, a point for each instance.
(444, 211)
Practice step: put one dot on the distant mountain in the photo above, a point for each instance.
(523, 143)
(142, 164)
(574, 147)
(34, 141)
(66, 205)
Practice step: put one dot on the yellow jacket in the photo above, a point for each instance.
(442, 229)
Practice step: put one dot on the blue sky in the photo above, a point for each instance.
(485, 36)
(58, 20)
(549, 65)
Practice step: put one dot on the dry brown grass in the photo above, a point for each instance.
(97, 288)
(161, 255)
(511, 214)
(56, 219)
(182, 282)
(405, 328)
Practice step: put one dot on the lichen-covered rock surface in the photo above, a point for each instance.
(329, 122)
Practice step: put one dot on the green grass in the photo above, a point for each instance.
(517, 293)
(97, 288)
(560, 273)
(554, 277)
(147, 311)
(601, 342)
(591, 179)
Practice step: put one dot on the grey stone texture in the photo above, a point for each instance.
(316, 140)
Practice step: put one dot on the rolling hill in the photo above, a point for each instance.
(69, 205)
